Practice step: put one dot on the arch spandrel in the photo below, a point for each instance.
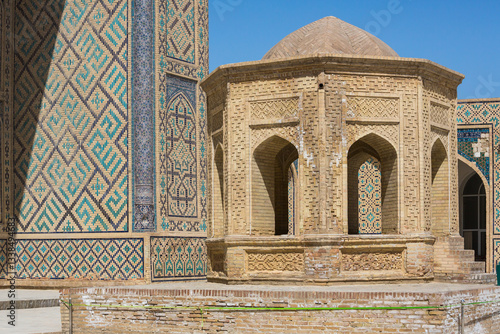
(380, 138)
(289, 134)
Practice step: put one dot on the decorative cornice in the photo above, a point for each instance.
(335, 63)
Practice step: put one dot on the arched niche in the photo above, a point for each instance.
(270, 186)
(372, 187)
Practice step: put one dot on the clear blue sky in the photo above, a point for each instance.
(461, 35)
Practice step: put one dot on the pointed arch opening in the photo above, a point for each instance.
(440, 190)
(218, 193)
(372, 187)
(271, 187)
(474, 203)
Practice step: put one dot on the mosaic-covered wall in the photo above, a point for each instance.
(478, 140)
(181, 204)
(94, 83)
(178, 257)
(369, 197)
(71, 116)
(474, 145)
(6, 83)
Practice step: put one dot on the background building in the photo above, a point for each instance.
(479, 177)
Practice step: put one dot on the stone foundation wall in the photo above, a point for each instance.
(98, 318)
(319, 260)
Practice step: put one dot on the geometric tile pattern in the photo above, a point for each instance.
(1, 118)
(496, 252)
(71, 86)
(7, 112)
(178, 258)
(487, 113)
(3, 258)
(473, 144)
(71, 116)
(143, 116)
(179, 21)
(181, 25)
(108, 259)
(2, 20)
(177, 150)
(369, 197)
(194, 64)
(1, 169)
(202, 33)
(180, 225)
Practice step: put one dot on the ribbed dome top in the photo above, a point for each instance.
(329, 35)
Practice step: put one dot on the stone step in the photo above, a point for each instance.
(467, 253)
(451, 242)
(483, 278)
(34, 303)
(464, 254)
(44, 320)
(465, 267)
(28, 298)
(37, 311)
(474, 267)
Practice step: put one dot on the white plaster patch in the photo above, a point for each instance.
(309, 159)
(478, 329)
(336, 159)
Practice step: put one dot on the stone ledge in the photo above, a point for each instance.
(425, 308)
(34, 303)
(212, 289)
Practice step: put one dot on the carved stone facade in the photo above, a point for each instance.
(374, 144)
(372, 261)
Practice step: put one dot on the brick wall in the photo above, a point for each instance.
(440, 196)
(484, 318)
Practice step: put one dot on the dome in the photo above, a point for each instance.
(329, 35)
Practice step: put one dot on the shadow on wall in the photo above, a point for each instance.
(38, 83)
(71, 132)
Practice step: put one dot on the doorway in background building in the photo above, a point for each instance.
(473, 212)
